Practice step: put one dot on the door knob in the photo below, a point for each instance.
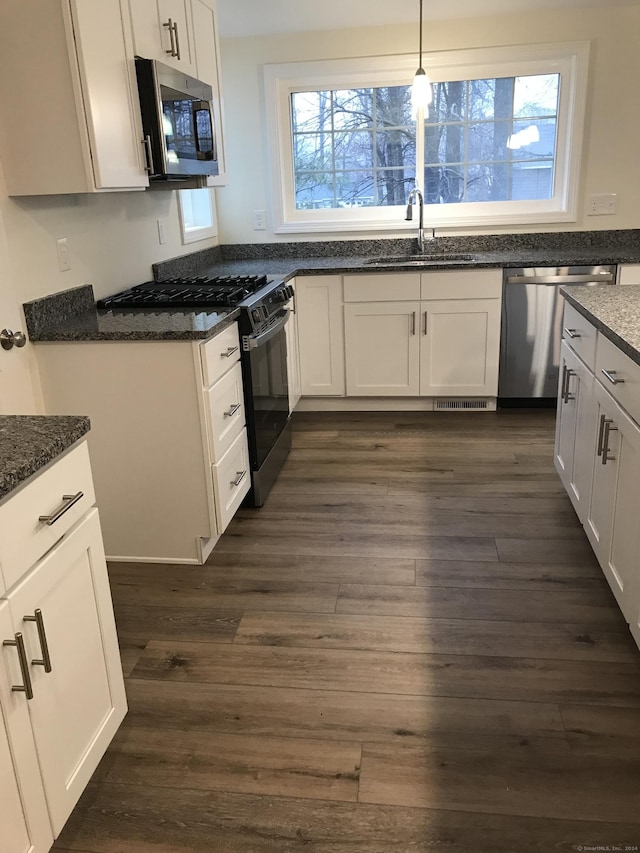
(9, 339)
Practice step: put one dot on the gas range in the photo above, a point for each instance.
(258, 297)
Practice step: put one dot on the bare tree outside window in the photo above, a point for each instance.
(485, 140)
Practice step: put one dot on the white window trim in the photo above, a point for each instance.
(570, 59)
(195, 233)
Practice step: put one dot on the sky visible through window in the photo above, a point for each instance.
(485, 140)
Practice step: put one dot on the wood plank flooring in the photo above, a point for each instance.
(410, 647)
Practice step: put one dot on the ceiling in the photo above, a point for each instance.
(260, 17)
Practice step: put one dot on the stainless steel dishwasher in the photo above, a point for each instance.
(532, 330)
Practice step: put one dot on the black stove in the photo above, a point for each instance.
(199, 292)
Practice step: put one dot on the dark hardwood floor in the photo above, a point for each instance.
(410, 647)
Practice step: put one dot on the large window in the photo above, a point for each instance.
(501, 142)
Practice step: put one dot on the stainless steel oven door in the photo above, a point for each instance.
(266, 386)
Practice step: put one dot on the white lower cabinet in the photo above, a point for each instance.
(293, 350)
(62, 692)
(597, 455)
(25, 821)
(321, 335)
(382, 349)
(575, 430)
(612, 521)
(163, 415)
(427, 335)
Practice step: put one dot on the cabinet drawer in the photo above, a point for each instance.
(231, 480)
(619, 375)
(219, 354)
(579, 334)
(381, 287)
(24, 538)
(225, 412)
(461, 284)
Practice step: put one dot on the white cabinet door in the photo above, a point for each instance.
(612, 522)
(382, 346)
(25, 822)
(459, 350)
(321, 335)
(575, 430)
(293, 354)
(110, 95)
(162, 30)
(78, 705)
(207, 56)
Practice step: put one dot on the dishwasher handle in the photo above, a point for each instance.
(580, 278)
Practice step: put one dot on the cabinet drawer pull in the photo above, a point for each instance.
(424, 323)
(413, 323)
(25, 687)
(240, 475)
(572, 333)
(170, 27)
(175, 30)
(605, 441)
(67, 502)
(566, 396)
(603, 421)
(611, 376)
(229, 352)
(45, 661)
(232, 410)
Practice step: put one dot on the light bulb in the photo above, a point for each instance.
(421, 91)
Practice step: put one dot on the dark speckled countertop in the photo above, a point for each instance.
(72, 316)
(29, 442)
(614, 311)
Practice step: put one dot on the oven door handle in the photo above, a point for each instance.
(250, 342)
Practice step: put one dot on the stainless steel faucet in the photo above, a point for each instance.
(415, 193)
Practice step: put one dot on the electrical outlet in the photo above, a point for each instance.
(64, 260)
(259, 220)
(603, 204)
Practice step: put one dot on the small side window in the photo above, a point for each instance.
(197, 215)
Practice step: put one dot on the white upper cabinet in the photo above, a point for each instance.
(207, 52)
(72, 125)
(162, 29)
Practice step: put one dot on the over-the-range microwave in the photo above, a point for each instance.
(178, 123)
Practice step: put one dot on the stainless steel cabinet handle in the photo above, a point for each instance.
(603, 421)
(232, 410)
(424, 323)
(567, 396)
(150, 167)
(25, 687)
(563, 384)
(67, 502)
(240, 475)
(45, 661)
(612, 377)
(413, 322)
(175, 30)
(169, 26)
(571, 333)
(608, 427)
(9, 339)
(229, 352)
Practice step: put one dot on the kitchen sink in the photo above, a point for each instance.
(420, 260)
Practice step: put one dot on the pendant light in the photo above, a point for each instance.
(421, 92)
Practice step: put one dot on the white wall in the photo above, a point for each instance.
(612, 125)
(112, 238)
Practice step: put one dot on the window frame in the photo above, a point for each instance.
(569, 59)
(204, 229)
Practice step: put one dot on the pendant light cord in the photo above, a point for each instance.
(420, 65)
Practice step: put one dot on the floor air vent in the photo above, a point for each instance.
(458, 404)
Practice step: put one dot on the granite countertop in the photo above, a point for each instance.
(72, 315)
(614, 311)
(29, 442)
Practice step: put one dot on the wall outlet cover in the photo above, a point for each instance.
(602, 204)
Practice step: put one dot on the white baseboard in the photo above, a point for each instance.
(380, 404)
